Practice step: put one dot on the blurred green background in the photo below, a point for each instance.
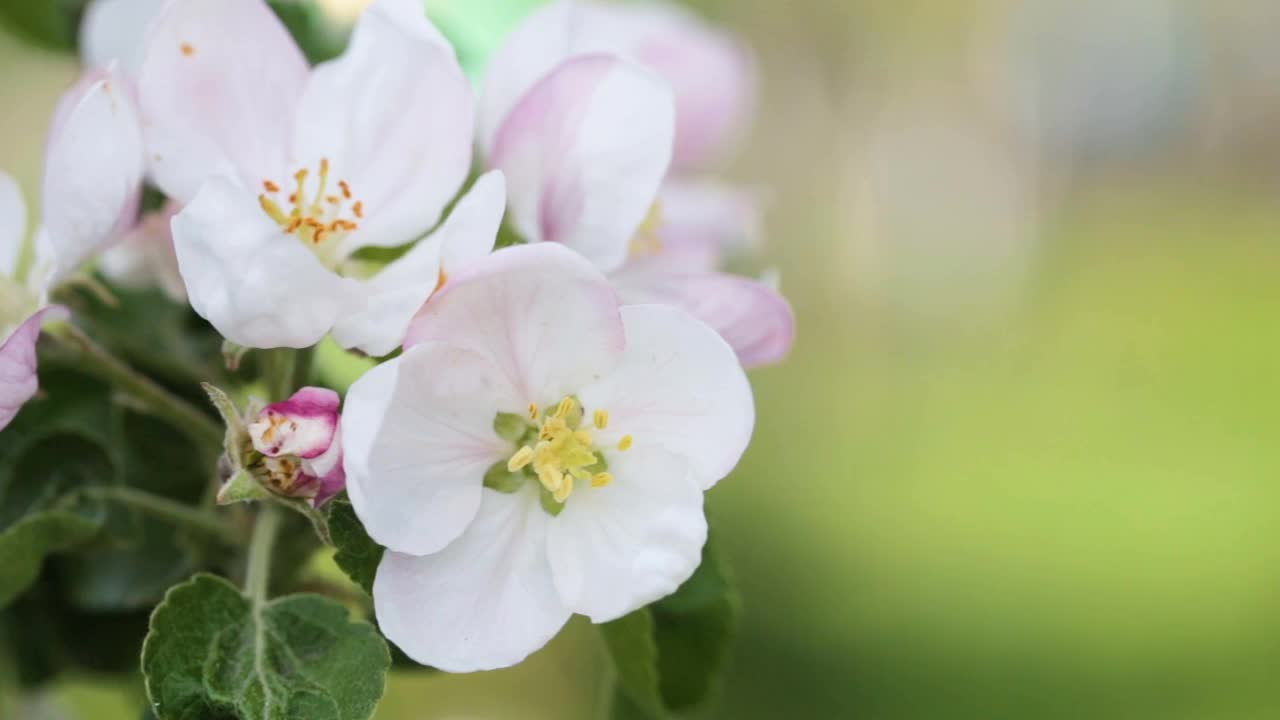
(1023, 462)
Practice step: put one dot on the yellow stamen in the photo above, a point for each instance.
(601, 479)
(625, 443)
(534, 411)
(566, 404)
(324, 185)
(565, 489)
(523, 457)
(273, 210)
(601, 419)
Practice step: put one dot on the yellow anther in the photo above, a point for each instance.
(625, 443)
(522, 457)
(647, 241)
(534, 411)
(273, 210)
(324, 186)
(601, 479)
(565, 489)
(566, 404)
(601, 419)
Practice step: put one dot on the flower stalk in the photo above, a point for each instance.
(175, 512)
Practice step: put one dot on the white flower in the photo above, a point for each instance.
(92, 175)
(537, 452)
(586, 138)
(287, 172)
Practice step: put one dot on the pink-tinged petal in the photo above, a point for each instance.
(93, 168)
(18, 362)
(711, 72)
(485, 602)
(617, 548)
(679, 388)
(116, 30)
(584, 153)
(543, 40)
(219, 87)
(258, 286)
(392, 297)
(750, 315)
(13, 224)
(547, 319)
(304, 425)
(418, 436)
(144, 257)
(328, 474)
(395, 117)
(703, 220)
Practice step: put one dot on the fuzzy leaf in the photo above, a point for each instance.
(24, 546)
(358, 555)
(211, 655)
(668, 656)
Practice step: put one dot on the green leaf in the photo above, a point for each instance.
(358, 555)
(50, 23)
(212, 655)
(631, 644)
(319, 38)
(669, 656)
(24, 546)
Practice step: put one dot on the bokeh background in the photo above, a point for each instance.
(1023, 462)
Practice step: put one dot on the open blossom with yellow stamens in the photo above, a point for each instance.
(537, 451)
(287, 172)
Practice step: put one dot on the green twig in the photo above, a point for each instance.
(88, 356)
(258, 572)
(178, 513)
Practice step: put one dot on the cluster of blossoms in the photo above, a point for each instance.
(540, 441)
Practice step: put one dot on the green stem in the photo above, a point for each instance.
(280, 366)
(92, 358)
(171, 510)
(258, 572)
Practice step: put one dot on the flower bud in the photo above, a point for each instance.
(301, 446)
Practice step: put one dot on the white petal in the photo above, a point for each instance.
(545, 316)
(219, 86)
(392, 297)
(93, 168)
(258, 286)
(18, 362)
(417, 438)
(116, 30)
(584, 153)
(13, 225)
(484, 602)
(543, 40)
(679, 388)
(617, 548)
(394, 115)
(751, 316)
(703, 220)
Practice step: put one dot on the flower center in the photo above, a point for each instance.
(562, 452)
(319, 218)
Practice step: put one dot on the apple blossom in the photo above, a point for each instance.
(301, 445)
(287, 172)
(92, 174)
(537, 451)
(585, 138)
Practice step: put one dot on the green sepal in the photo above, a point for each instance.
(549, 503)
(511, 427)
(212, 654)
(499, 478)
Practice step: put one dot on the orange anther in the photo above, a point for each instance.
(358, 208)
(346, 189)
(187, 49)
(331, 199)
(270, 186)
